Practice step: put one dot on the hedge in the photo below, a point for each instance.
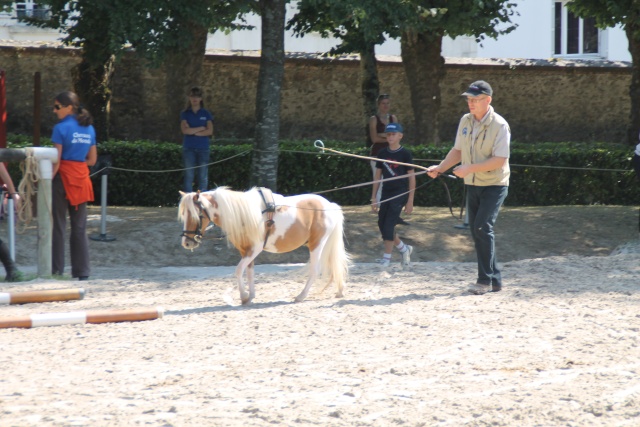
(148, 173)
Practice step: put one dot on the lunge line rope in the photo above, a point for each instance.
(320, 145)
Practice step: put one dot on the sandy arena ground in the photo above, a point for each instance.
(559, 346)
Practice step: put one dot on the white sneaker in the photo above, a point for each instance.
(479, 289)
(406, 256)
(384, 262)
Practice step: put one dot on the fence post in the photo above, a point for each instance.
(103, 164)
(45, 234)
(11, 228)
(465, 224)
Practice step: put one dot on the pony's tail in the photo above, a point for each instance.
(335, 260)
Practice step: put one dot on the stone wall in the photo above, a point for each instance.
(20, 65)
(542, 100)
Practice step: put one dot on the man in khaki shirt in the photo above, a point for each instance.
(482, 148)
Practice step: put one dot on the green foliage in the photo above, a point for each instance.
(153, 27)
(6, 6)
(147, 173)
(358, 22)
(572, 174)
(304, 169)
(454, 18)
(607, 13)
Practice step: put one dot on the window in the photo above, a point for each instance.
(21, 10)
(574, 35)
(29, 9)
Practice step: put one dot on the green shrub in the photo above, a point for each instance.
(572, 174)
(147, 173)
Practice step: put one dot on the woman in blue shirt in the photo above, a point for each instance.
(75, 139)
(196, 124)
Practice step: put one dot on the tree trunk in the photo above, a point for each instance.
(92, 83)
(183, 70)
(264, 170)
(634, 89)
(424, 68)
(370, 85)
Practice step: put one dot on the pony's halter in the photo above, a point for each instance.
(197, 233)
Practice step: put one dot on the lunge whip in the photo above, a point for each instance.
(320, 145)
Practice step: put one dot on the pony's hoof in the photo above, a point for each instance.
(339, 295)
(246, 301)
(298, 299)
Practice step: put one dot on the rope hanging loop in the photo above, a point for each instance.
(27, 188)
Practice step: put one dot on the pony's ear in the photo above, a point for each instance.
(197, 196)
(182, 193)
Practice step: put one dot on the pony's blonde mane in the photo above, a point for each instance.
(240, 215)
(187, 208)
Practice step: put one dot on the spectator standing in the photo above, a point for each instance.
(196, 124)
(377, 135)
(75, 139)
(482, 146)
(396, 194)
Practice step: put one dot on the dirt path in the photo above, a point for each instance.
(151, 236)
(557, 347)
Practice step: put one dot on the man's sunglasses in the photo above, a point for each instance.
(57, 106)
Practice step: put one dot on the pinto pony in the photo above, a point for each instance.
(258, 220)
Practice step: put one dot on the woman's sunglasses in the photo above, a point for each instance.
(57, 107)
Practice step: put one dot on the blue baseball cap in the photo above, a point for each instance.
(394, 127)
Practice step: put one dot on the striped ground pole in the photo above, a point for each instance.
(77, 317)
(41, 296)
